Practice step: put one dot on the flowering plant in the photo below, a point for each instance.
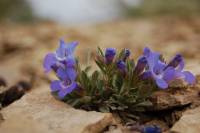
(119, 85)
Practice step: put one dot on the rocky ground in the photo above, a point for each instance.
(23, 47)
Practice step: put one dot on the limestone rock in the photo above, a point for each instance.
(26, 125)
(163, 100)
(47, 114)
(189, 122)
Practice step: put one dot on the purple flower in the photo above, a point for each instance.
(109, 55)
(127, 53)
(66, 84)
(121, 65)
(162, 73)
(63, 87)
(155, 68)
(178, 63)
(57, 59)
(141, 64)
(151, 129)
(63, 63)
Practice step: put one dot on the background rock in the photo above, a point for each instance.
(46, 113)
(189, 122)
(176, 97)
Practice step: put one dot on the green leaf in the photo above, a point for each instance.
(145, 104)
(117, 81)
(100, 51)
(121, 54)
(95, 76)
(101, 66)
(86, 99)
(104, 109)
(87, 69)
(85, 81)
(75, 103)
(100, 86)
(130, 65)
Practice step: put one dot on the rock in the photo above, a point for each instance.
(189, 122)
(50, 115)
(1, 118)
(163, 100)
(12, 70)
(15, 92)
(26, 125)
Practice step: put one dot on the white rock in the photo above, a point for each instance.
(40, 109)
(189, 122)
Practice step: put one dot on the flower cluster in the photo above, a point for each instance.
(150, 66)
(119, 80)
(164, 73)
(63, 63)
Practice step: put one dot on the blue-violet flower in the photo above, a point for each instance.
(162, 73)
(141, 64)
(110, 54)
(127, 53)
(63, 63)
(121, 65)
(151, 129)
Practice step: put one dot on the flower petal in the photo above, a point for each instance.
(146, 75)
(181, 65)
(70, 61)
(61, 73)
(161, 83)
(169, 74)
(189, 77)
(70, 47)
(146, 51)
(179, 75)
(67, 89)
(60, 52)
(152, 59)
(177, 62)
(159, 67)
(49, 61)
(56, 85)
(71, 72)
(66, 74)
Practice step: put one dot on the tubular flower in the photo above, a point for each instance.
(63, 63)
(54, 60)
(141, 64)
(162, 73)
(121, 65)
(151, 129)
(127, 53)
(109, 55)
(178, 63)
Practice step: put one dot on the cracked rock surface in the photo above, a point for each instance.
(41, 112)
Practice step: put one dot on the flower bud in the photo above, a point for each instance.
(176, 60)
(109, 55)
(126, 54)
(141, 64)
(121, 65)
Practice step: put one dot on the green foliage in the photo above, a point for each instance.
(166, 7)
(17, 10)
(109, 90)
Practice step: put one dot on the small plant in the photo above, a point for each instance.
(119, 85)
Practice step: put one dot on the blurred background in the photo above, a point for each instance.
(31, 28)
(93, 11)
